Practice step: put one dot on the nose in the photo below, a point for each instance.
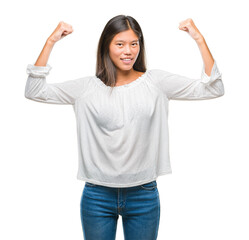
(127, 49)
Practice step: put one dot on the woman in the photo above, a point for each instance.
(122, 127)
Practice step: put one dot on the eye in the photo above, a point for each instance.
(119, 44)
(134, 44)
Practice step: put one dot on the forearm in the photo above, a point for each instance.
(45, 53)
(206, 55)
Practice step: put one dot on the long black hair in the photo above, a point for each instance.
(105, 68)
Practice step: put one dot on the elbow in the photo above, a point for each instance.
(26, 95)
(222, 94)
(30, 96)
(28, 92)
(222, 91)
(35, 94)
(219, 89)
(38, 97)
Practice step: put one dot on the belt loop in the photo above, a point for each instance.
(154, 182)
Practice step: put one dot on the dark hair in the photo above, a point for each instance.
(105, 69)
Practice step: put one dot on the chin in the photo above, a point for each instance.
(125, 68)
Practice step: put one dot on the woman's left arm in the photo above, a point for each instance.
(208, 60)
(179, 87)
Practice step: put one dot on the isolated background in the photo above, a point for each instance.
(206, 196)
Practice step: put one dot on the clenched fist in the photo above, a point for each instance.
(189, 26)
(62, 30)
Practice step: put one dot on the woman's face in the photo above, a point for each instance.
(124, 49)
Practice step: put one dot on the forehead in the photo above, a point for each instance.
(128, 35)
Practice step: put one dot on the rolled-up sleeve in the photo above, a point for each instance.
(38, 89)
(179, 87)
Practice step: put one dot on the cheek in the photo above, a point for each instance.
(115, 53)
(136, 52)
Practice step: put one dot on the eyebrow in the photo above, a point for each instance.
(124, 41)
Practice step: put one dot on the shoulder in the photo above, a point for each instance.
(82, 82)
(157, 71)
(85, 79)
(158, 74)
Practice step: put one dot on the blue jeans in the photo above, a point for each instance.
(139, 207)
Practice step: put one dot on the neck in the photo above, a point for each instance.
(123, 76)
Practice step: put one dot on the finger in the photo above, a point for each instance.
(183, 27)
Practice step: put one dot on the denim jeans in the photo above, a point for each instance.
(139, 206)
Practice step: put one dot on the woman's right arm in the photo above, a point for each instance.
(38, 89)
(45, 53)
(63, 29)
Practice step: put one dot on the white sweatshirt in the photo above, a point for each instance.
(123, 138)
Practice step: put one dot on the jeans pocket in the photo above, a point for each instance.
(149, 186)
(90, 184)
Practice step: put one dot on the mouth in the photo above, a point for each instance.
(126, 60)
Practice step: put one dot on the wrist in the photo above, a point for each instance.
(50, 42)
(200, 40)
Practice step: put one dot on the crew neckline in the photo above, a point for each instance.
(124, 86)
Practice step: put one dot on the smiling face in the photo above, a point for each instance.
(124, 49)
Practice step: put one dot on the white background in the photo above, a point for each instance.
(206, 196)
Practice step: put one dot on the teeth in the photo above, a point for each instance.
(126, 59)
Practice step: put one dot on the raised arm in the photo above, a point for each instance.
(179, 87)
(62, 30)
(38, 89)
(208, 60)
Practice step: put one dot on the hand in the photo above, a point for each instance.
(189, 26)
(62, 30)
